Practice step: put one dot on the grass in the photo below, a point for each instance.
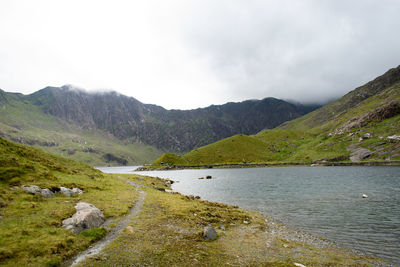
(167, 231)
(31, 232)
(308, 139)
(26, 123)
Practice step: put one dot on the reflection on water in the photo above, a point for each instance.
(326, 201)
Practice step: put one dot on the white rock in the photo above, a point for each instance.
(86, 217)
(65, 191)
(364, 195)
(299, 264)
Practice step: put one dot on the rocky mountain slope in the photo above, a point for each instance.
(175, 130)
(112, 128)
(362, 125)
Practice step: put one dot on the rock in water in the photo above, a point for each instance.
(86, 217)
(365, 196)
(209, 233)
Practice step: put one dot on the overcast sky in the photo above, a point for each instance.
(188, 54)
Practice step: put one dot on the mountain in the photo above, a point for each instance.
(127, 121)
(363, 125)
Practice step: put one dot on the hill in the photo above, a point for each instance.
(30, 225)
(113, 129)
(363, 125)
(167, 230)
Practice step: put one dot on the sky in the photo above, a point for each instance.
(185, 54)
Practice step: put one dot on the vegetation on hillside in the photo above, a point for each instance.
(167, 231)
(363, 120)
(23, 122)
(30, 225)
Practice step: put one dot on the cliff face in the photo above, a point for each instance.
(175, 130)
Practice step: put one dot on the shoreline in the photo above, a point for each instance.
(275, 164)
(247, 237)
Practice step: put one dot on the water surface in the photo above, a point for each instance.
(326, 201)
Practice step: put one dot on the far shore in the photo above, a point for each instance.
(274, 164)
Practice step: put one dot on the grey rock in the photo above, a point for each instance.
(66, 191)
(222, 227)
(209, 233)
(76, 191)
(360, 154)
(393, 138)
(46, 192)
(86, 217)
(34, 189)
(70, 192)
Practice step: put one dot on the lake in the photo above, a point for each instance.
(326, 201)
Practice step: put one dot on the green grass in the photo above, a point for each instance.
(309, 138)
(23, 122)
(31, 233)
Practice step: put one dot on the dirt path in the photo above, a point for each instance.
(97, 247)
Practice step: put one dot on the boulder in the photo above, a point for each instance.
(34, 189)
(86, 217)
(66, 191)
(70, 192)
(76, 191)
(209, 233)
(46, 192)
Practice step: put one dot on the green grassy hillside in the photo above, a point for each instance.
(23, 122)
(30, 225)
(362, 120)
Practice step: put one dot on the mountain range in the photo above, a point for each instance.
(363, 125)
(107, 127)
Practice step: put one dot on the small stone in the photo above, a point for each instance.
(299, 264)
(222, 227)
(364, 196)
(201, 178)
(245, 222)
(130, 229)
(76, 191)
(208, 177)
(209, 233)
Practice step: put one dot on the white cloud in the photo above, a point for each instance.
(186, 54)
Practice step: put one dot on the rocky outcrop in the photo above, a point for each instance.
(173, 130)
(381, 113)
(360, 153)
(70, 192)
(36, 190)
(86, 217)
(45, 192)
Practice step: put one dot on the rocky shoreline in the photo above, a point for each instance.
(276, 164)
